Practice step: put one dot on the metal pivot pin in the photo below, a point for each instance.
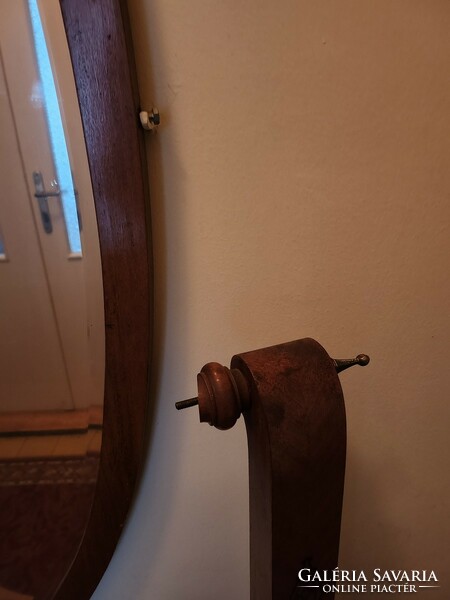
(345, 363)
(186, 403)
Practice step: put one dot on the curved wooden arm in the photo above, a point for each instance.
(296, 432)
(292, 402)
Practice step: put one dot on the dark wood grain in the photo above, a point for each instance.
(100, 47)
(296, 430)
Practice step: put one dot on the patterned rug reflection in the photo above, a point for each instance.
(44, 506)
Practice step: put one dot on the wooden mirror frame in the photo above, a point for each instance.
(100, 46)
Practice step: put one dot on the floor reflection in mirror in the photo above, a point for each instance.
(47, 480)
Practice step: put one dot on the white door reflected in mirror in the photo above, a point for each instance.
(51, 306)
(42, 154)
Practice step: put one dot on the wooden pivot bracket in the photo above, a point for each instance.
(293, 406)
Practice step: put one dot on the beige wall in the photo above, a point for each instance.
(301, 187)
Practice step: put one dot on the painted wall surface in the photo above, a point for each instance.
(300, 187)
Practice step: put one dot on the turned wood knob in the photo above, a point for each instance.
(222, 395)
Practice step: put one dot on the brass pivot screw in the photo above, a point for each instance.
(223, 395)
(345, 363)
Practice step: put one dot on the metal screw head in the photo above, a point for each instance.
(155, 117)
(150, 120)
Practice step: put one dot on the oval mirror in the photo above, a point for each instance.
(74, 240)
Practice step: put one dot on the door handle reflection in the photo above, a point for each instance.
(42, 195)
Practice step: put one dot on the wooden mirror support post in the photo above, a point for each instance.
(293, 406)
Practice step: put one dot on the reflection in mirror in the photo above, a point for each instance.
(51, 307)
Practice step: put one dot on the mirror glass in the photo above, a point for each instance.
(51, 307)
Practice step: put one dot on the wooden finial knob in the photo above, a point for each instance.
(222, 396)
